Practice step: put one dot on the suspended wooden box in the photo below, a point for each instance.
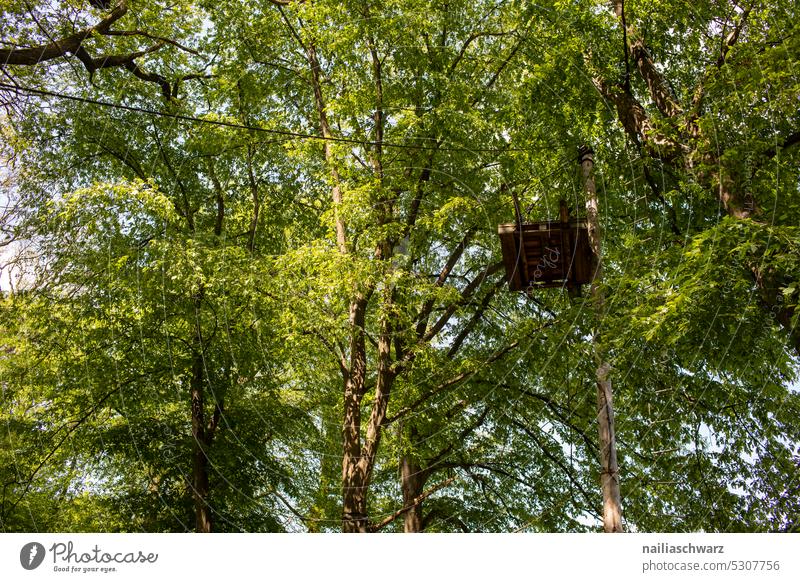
(547, 254)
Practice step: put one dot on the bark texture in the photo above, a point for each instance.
(609, 473)
(412, 484)
(686, 148)
(200, 485)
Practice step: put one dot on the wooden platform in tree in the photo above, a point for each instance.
(546, 254)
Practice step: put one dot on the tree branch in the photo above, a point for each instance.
(497, 73)
(219, 195)
(161, 39)
(733, 37)
(75, 425)
(467, 431)
(416, 501)
(788, 141)
(447, 384)
(476, 317)
(659, 89)
(559, 464)
(727, 44)
(656, 84)
(455, 255)
(59, 48)
(636, 122)
(466, 294)
(465, 46)
(166, 89)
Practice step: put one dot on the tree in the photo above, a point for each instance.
(260, 265)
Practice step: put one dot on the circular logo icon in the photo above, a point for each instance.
(31, 555)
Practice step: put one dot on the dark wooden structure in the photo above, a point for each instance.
(547, 254)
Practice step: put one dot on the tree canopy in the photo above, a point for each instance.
(250, 276)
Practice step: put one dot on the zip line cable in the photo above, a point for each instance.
(281, 132)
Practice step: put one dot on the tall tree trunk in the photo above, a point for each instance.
(354, 500)
(612, 506)
(358, 458)
(412, 483)
(354, 481)
(354, 478)
(199, 456)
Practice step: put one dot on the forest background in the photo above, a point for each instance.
(251, 278)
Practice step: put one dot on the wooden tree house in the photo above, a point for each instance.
(547, 254)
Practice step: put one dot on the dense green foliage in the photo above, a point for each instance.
(248, 247)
